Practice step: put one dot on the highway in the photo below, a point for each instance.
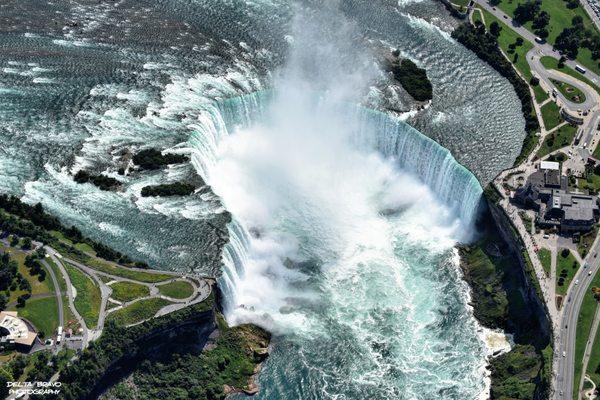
(565, 338)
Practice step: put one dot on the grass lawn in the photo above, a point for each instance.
(138, 311)
(540, 94)
(551, 115)
(508, 37)
(584, 324)
(593, 368)
(477, 15)
(566, 267)
(560, 17)
(88, 297)
(562, 137)
(570, 92)
(177, 289)
(552, 63)
(37, 287)
(127, 291)
(42, 313)
(546, 259)
(123, 272)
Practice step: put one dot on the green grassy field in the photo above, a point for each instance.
(593, 368)
(88, 297)
(570, 92)
(138, 311)
(37, 287)
(177, 289)
(584, 324)
(545, 257)
(508, 37)
(42, 313)
(566, 267)
(127, 291)
(560, 17)
(562, 137)
(477, 15)
(551, 115)
(123, 272)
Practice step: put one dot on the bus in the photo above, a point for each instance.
(580, 68)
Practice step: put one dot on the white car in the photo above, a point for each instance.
(564, 353)
(577, 282)
(589, 273)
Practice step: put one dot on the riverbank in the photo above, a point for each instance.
(502, 298)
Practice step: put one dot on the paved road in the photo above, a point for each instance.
(533, 59)
(544, 48)
(53, 254)
(59, 299)
(566, 336)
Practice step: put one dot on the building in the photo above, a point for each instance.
(14, 332)
(546, 191)
(570, 118)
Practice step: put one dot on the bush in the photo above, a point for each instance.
(169, 189)
(154, 159)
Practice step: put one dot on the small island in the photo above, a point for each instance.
(169, 189)
(155, 159)
(412, 78)
(101, 181)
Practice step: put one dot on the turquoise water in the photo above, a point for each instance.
(345, 218)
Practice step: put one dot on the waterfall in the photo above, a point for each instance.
(414, 152)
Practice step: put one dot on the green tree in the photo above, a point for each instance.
(495, 29)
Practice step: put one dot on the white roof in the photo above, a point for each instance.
(549, 165)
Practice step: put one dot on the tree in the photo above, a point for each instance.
(541, 20)
(495, 29)
(568, 41)
(542, 33)
(21, 301)
(26, 243)
(526, 12)
(577, 20)
(14, 241)
(519, 41)
(534, 81)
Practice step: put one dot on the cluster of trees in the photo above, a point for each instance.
(34, 222)
(485, 45)
(413, 79)
(154, 159)
(32, 262)
(101, 181)
(169, 189)
(184, 374)
(12, 280)
(499, 302)
(570, 40)
(81, 377)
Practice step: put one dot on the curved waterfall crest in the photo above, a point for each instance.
(414, 152)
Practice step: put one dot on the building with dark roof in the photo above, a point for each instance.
(546, 191)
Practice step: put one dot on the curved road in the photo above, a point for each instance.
(545, 48)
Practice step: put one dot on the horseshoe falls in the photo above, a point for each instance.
(342, 242)
(345, 215)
